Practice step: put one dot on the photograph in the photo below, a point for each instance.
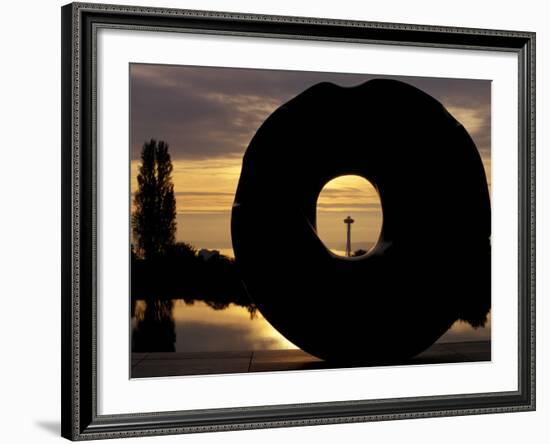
(277, 221)
(288, 220)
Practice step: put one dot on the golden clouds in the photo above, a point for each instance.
(477, 121)
(348, 193)
(202, 185)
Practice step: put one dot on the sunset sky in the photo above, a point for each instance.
(209, 115)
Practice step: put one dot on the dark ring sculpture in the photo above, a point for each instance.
(431, 265)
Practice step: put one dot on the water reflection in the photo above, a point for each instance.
(154, 326)
(180, 326)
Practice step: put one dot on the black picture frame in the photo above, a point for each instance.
(80, 419)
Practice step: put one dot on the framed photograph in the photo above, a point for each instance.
(279, 221)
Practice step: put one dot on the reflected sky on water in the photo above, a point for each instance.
(200, 328)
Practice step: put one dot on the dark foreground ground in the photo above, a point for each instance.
(146, 365)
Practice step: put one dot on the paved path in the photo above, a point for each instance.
(207, 363)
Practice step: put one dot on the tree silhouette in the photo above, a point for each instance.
(154, 217)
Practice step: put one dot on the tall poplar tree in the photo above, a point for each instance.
(154, 216)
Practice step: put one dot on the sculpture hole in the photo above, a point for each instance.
(349, 216)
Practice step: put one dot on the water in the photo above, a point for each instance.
(176, 326)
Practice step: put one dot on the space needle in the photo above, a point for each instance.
(348, 221)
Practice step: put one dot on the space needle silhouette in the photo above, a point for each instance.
(348, 221)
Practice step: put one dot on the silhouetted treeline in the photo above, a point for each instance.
(179, 274)
(183, 274)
